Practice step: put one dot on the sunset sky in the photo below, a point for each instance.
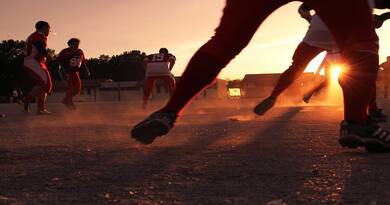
(111, 27)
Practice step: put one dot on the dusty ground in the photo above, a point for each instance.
(214, 156)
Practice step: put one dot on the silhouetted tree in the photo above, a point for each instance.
(11, 65)
(99, 67)
(128, 66)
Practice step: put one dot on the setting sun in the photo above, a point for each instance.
(335, 73)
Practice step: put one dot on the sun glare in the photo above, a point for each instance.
(335, 73)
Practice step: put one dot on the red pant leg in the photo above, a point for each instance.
(354, 33)
(240, 20)
(49, 83)
(39, 74)
(169, 83)
(148, 87)
(303, 54)
(74, 85)
(41, 102)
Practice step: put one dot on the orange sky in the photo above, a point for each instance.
(110, 27)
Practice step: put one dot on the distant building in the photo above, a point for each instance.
(234, 93)
(382, 88)
(261, 85)
(216, 90)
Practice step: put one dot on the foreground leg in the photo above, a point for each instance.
(304, 53)
(374, 112)
(240, 21)
(359, 48)
(358, 42)
(315, 90)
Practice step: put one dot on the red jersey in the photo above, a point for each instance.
(72, 59)
(36, 47)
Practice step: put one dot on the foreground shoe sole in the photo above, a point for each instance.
(146, 133)
(371, 145)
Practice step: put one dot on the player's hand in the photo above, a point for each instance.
(49, 58)
(87, 71)
(378, 22)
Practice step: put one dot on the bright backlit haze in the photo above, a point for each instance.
(336, 70)
(111, 27)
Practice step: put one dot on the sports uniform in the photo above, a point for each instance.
(71, 60)
(158, 67)
(318, 39)
(241, 18)
(35, 66)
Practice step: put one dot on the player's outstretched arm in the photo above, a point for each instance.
(84, 64)
(385, 16)
(86, 69)
(380, 19)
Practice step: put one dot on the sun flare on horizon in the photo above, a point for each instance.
(335, 73)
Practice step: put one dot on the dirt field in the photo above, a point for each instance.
(213, 156)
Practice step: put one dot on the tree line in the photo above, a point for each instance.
(127, 66)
